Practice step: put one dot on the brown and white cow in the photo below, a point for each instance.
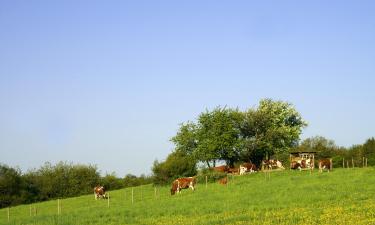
(183, 183)
(300, 164)
(247, 167)
(222, 169)
(272, 163)
(99, 192)
(325, 164)
(295, 165)
(234, 170)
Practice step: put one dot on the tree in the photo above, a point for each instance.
(215, 136)
(177, 164)
(218, 136)
(369, 151)
(324, 147)
(231, 135)
(10, 186)
(186, 138)
(273, 128)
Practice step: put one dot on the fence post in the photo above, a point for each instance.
(330, 164)
(155, 192)
(363, 161)
(132, 195)
(352, 162)
(8, 214)
(347, 164)
(343, 163)
(30, 210)
(58, 206)
(108, 199)
(366, 162)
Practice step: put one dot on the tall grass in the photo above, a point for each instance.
(344, 196)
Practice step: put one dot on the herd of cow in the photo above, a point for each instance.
(189, 182)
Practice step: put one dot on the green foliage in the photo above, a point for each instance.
(274, 127)
(132, 180)
(57, 181)
(112, 182)
(231, 135)
(63, 180)
(10, 186)
(218, 136)
(177, 164)
(325, 148)
(368, 150)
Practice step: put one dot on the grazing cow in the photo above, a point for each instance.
(272, 163)
(247, 167)
(223, 169)
(182, 183)
(223, 181)
(99, 192)
(234, 170)
(325, 164)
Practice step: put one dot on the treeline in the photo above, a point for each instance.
(178, 164)
(57, 181)
(326, 148)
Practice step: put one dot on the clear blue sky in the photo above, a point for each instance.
(108, 82)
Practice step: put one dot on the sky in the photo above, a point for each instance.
(108, 83)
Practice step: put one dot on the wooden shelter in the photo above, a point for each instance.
(307, 156)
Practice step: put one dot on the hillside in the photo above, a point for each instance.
(344, 196)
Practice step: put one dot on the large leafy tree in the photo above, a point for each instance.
(218, 136)
(231, 135)
(215, 136)
(273, 128)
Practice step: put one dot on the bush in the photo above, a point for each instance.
(176, 165)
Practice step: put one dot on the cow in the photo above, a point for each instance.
(247, 167)
(183, 183)
(222, 169)
(99, 192)
(234, 170)
(296, 165)
(300, 164)
(325, 164)
(223, 181)
(272, 163)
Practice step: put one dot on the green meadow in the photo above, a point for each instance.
(343, 196)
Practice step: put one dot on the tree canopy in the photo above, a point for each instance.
(233, 135)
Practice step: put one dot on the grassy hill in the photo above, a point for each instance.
(344, 196)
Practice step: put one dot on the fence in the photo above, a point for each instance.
(352, 162)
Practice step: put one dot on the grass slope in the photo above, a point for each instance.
(344, 196)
